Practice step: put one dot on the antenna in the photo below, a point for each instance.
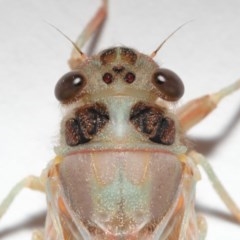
(82, 55)
(166, 39)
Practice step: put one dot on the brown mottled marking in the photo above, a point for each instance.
(88, 121)
(128, 55)
(151, 121)
(108, 56)
(73, 134)
(164, 132)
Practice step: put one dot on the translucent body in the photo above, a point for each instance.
(123, 170)
(122, 195)
(119, 175)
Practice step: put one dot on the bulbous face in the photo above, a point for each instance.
(119, 99)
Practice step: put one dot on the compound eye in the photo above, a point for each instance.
(169, 84)
(69, 86)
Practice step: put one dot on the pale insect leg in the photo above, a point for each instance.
(196, 110)
(37, 235)
(31, 182)
(76, 58)
(189, 224)
(202, 226)
(217, 185)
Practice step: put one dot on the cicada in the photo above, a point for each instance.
(123, 168)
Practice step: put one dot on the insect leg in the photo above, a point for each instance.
(202, 224)
(91, 27)
(37, 235)
(32, 182)
(196, 110)
(199, 159)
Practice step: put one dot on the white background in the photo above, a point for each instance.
(205, 53)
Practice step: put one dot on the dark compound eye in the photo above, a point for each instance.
(69, 86)
(168, 83)
(130, 77)
(108, 78)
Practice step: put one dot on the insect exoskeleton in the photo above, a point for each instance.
(122, 172)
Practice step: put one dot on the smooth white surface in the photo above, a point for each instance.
(205, 53)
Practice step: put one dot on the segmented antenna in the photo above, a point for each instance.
(165, 40)
(82, 55)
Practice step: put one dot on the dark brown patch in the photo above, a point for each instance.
(165, 132)
(151, 121)
(88, 121)
(128, 55)
(73, 133)
(108, 56)
(118, 69)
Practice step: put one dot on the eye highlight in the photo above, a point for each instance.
(169, 84)
(69, 86)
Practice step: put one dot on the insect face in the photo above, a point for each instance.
(112, 96)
